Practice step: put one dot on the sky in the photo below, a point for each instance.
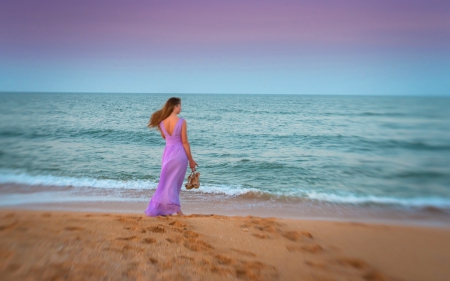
(335, 47)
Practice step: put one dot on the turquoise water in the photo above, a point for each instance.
(356, 150)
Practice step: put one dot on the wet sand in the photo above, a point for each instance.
(57, 245)
(60, 198)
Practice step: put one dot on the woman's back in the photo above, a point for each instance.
(173, 136)
(169, 124)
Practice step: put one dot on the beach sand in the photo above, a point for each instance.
(61, 245)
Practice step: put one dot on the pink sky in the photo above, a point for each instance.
(251, 32)
(391, 25)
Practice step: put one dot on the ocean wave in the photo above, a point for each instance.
(403, 144)
(382, 200)
(49, 197)
(108, 134)
(113, 134)
(387, 114)
(50, 180)
(10, 133)
(224, 189)
(228, 190)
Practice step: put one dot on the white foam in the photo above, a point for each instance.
(230, 190)
(227, 190)
(49, 180)
(53, 197)
(353, 199)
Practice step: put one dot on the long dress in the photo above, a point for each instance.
(166, 199)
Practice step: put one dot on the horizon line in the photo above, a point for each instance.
(203, 93)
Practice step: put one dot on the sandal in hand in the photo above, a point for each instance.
(193, 180)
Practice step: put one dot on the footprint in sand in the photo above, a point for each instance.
(267, 228)
(261, 236)
(148, 240)
(73, 228)
(121, 220)
(126, 248)
(312, 249)
(296, 235)
(197, 245)
(156, 229)
(13, 267)
(187, 258)
(223, 260)
(10, 215)
(245, 253)
(5, 254)
(375, 275)
(8, 226)
(367, 272)
(255, 270)
(190, 234)
(23, 229)
(174, 239)
(162, 218)
(177, 224)
(134, 228)
(317, 264)
(126, 220)
(127, 238)
(356, 263)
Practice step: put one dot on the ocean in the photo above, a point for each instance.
(295, 155)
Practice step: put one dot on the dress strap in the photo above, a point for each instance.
(180, 121)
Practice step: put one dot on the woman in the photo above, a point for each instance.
(175, 158)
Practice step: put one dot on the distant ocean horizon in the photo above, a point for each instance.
(176, 94)
(360, 151)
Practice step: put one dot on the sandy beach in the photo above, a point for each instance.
(61, 245)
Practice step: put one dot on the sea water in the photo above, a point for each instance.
(358, 151)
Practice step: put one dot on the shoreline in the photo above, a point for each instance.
(122, 246)
(58, 198)
(235, 206)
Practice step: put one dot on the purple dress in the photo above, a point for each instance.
(166, 199)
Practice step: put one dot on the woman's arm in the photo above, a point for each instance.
(187, 147)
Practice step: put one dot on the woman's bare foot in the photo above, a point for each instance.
(180, 213)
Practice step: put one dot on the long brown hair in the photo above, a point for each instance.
(163, 113)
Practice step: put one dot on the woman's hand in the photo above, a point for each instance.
(192, 164)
